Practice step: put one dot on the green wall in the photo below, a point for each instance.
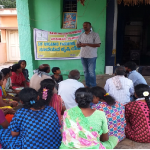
(25, 38)
(47, 15)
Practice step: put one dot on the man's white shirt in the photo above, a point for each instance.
(67, 90)
(122, 95)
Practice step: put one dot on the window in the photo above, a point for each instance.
(69, 5)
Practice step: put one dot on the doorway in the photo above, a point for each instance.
(13, 51)
(133, 34)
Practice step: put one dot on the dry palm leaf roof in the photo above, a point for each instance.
(126, 2)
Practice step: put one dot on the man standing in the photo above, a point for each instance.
(89, 41)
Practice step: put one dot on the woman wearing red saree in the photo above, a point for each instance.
(17, 78)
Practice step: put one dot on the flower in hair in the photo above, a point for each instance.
(32, 102)
(44, 96)
(146, 93)
(106, 94)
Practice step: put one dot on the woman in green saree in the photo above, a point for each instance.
(85, 128)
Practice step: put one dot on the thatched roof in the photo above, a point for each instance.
(126, 2)
(134, 2)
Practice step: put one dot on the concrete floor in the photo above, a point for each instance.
(101, 79)
(128, 144)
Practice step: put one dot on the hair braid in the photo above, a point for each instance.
(142, 90)
(49, 85)
(148, 103)
(101, 94)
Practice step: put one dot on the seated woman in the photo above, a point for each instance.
(114, 111)
(17, 78)
(5, 104)
(35, 126)
(56, 101)
(7, 90)
(3, 122)
(137, 115)
(23, 64)
(85, 128)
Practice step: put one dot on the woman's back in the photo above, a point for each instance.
(38, 129)
(138, 121)
(115, 116)
(95, 121)
(83, 132)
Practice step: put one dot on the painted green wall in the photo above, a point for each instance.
(25, 34)
(47, 15)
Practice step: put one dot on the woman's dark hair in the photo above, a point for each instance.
(48, 84)
(1, 76)
(15, 67)
(139, 91)
(6, 71)
(101, 94)
(20, 61)
(55, 69)
(83, 97)
(28, 95)
(131, 65)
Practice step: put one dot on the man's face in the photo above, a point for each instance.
(86, 26)
(127, 70)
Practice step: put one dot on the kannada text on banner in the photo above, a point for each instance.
(54, 45)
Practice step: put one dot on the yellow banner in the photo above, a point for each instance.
(54, 45)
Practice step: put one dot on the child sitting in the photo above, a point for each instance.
(35, 126)
(24, 71)
(17, 78)
(57, 77)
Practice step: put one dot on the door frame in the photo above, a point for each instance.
(7, 44)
